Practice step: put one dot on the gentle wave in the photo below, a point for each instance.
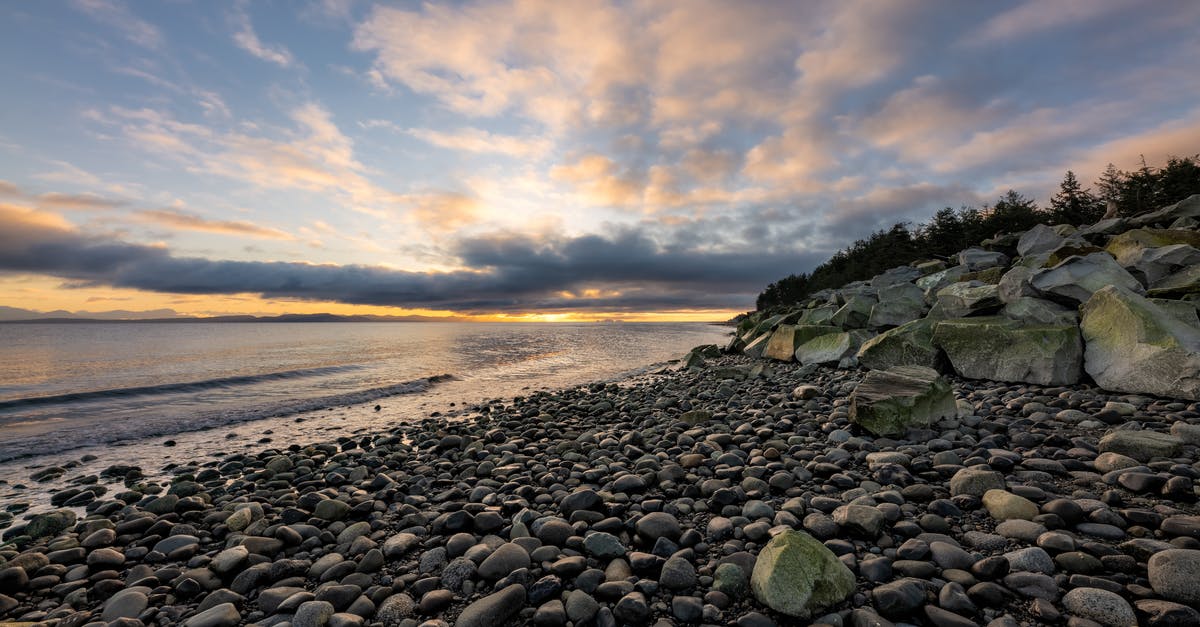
(132, 431)
(172, 388)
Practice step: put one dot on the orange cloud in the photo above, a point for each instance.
(186, 221)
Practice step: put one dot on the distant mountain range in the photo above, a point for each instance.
(18, 315)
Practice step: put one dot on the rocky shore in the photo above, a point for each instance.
(728, 491)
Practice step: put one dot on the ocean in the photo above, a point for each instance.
(124, 392)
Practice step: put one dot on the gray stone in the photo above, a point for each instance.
(1000, 349)
(222, 615)
(313, 614)
(975, 482)
(1132, 345)
(1077, 278)
(797, 575)
(1102, 606)
(1140, 445)
(127, 603)
(505, 559)
(493, 610)
(1039, 239)
(890, 402)
(976, 259)
(1174, 573)
(1031, 559)
(971, 298)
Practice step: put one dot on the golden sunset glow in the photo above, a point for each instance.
(538, 160)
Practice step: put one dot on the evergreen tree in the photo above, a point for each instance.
(1108, 187)
(1179, 179)
(1073, 204)
(1137, 194)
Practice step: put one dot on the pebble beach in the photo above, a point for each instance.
(732, 491)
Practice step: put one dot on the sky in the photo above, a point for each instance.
(540, 159)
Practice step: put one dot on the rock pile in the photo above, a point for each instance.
(734, 491)
(1114, 301)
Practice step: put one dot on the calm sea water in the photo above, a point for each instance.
(67, 386)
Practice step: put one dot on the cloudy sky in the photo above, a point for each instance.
(540, 159)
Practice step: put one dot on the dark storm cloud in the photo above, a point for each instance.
(628, 272)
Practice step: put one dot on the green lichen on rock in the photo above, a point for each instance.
(906, 345)
(890, 402)
(795, 574)
(1133, 345)
(50, 524)
(1126, 245)
(828, 348)
(1000, 349)
(788, 337)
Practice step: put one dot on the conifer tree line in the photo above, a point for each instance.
(951, 230)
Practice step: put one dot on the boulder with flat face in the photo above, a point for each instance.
(1152, 265)
(1000, 349)
(1177, 284)
(830, 348)
(1187, 208)
(968, 299)
(855, 314)
(1075, 279)
(976, 259)
(890, 402)
(909, 344)
(1039, 239)
(788, 337)
(1124, 246)
(1133, 345)
(898, 304)
(795, 574)
(1037, 311)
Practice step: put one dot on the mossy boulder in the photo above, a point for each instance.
(788, 337)
(1000, 349)
(968, 299)
(50, 524)
(1125, 247)
(855, 314)
(906, 345)
(890, 402)
(754, 348)
(1074, 280)
(830, 348)
(1177, 284)
(1133, 345)
(795, 574)
(818, 315)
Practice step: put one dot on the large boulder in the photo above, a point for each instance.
(1177, 284)
(979, 259)
(897, 275)
(1000, 349)
(1075, 279)
(855, 314)
(890, 402)
(1039, 311)
(968, 299)
(1187, 208)
(1124, 247)
(795, 574)
(754, 349)
(1133, 345)
(1039, 239)
(788, 337)
(829, 348)
(1016, 284)
(898, 304)
(1151, 265)
(906, 345)
(933, 282)
(818, 315)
